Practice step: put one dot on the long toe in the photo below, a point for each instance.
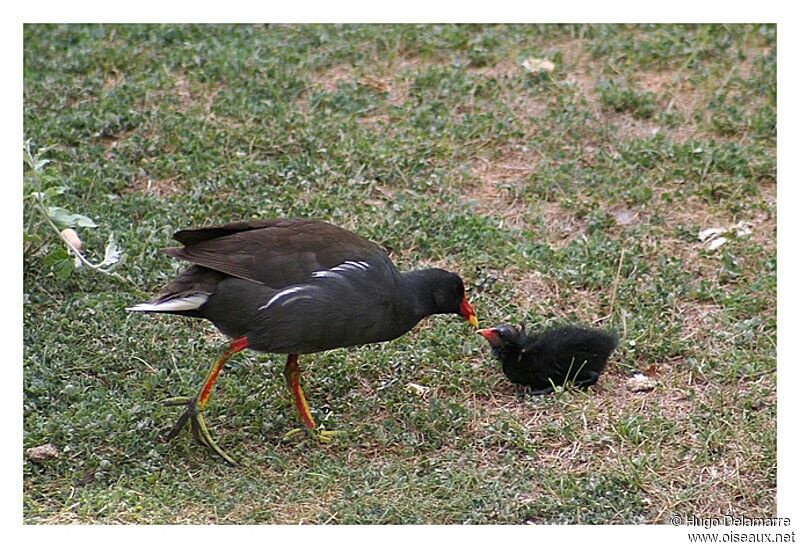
(591, 378)
(189, 414)
(206, 439)
(294, 434)
(194, 417)
(197, 434)
(328, 436)
(185, 417)
(177, 401)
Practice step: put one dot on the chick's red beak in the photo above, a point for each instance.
(467, 312)
(489, 334)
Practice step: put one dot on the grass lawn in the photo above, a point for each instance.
(571, 195)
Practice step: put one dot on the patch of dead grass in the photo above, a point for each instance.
(696, 212)
(393, 78)
(330, 79)
(113, 80)
(527, 107)
(561, 226)
(541, 295)
(500, 181)
(627, 127)
(698, 320)
(193, 96)
(674, 86)
(506, 69)
(159, 188)
(532, 290)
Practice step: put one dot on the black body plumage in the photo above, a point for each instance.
(297, 286)
(570, 354)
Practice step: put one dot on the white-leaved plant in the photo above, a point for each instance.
(63, 223)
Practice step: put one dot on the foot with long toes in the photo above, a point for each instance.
(194, 416)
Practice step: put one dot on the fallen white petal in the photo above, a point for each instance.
(534, 65)
(715, 244)
(418, 389)
(742, 228)
(641, 383)
(704, 235)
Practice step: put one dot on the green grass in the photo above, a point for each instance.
(433, 141)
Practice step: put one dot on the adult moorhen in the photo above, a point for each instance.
(543, 360)
(295, 286)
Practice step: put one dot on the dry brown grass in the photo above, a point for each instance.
(159, 188)
(500, 181)
(392, 77)
(506, 69)
(672, 86)
(193, 95)
(112, 80)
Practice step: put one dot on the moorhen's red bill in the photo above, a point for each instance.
(552, 358)
(295, 286)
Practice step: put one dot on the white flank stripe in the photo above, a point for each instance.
(358, 264)
(352, 266)
(347, 266)
(295, 298)
(326, 274)
(283, 293)
(191, 302)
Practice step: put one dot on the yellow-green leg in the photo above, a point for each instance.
(292, 373)
(197, 404)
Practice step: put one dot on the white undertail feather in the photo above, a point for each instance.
(188, 302)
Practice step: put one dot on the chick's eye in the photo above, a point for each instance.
(506, 332)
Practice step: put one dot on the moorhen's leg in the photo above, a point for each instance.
(292, 373)
(196, 405)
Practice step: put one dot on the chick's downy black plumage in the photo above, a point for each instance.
(571, 354)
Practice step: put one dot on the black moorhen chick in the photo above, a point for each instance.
(295, 286)
(543, 360)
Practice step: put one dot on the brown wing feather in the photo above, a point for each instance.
(196, 235)
(276, 253)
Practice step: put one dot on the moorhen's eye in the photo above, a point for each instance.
(449, 293)
(441, 298)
